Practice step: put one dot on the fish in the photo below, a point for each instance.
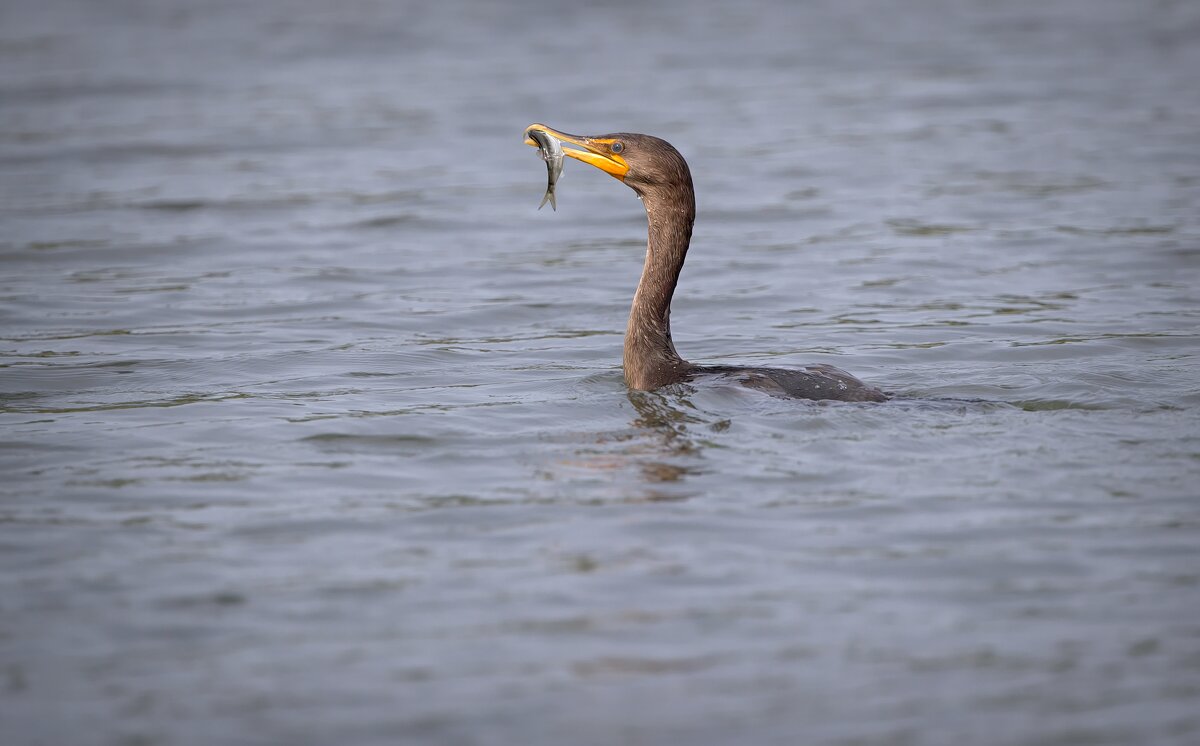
(552, 153)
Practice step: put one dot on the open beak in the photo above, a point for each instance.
(591, 150)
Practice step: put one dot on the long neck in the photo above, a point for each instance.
(650, 358)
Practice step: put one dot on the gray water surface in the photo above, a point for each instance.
(314, 429)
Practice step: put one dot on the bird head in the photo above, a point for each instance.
(644, 163)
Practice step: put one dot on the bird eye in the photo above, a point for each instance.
(617, 147)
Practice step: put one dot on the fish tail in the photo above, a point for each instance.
(549, 198)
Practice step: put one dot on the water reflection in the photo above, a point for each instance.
(648, 460)
(671, 451)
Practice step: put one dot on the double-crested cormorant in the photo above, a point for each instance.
(660, 176)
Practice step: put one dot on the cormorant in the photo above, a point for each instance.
(660, 176)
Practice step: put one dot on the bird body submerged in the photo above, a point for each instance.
(660, 176)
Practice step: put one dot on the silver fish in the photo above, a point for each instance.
(552, 153)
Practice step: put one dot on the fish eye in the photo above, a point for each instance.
(617, 147)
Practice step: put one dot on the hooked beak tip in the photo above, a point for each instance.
(539, 127)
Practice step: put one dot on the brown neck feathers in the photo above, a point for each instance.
(650, 359)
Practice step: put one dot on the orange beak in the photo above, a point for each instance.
(595, 151)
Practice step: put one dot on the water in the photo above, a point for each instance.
(314, 428)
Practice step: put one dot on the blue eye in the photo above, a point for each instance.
(617, 147)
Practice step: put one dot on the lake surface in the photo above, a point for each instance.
(314, 429)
